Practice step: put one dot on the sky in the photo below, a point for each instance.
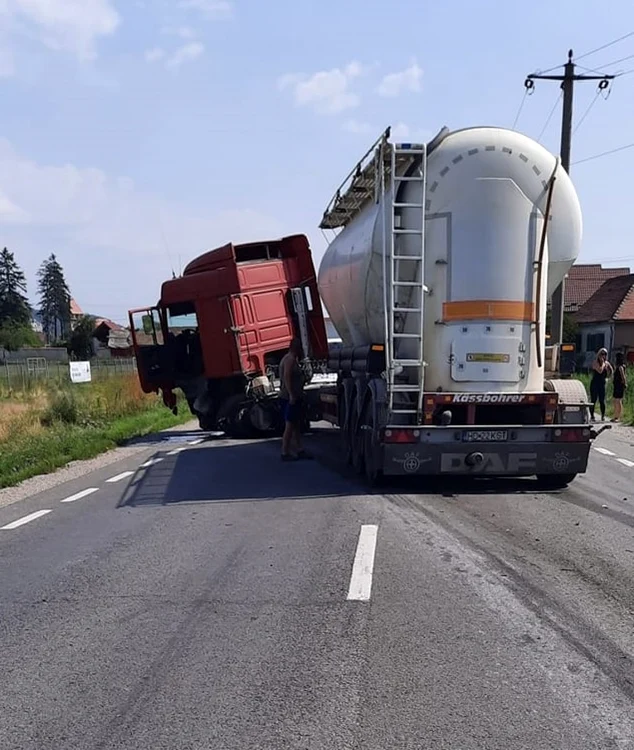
(136, 134)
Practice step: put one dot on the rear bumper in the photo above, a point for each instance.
(520, 457)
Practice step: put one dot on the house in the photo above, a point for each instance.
(606, 319)
(111, 339)
(583, 280)
(76, 313)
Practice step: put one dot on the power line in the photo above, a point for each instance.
(550, 116)
(605, 153)
(527, 91)
(587, 112)
(615, 62)
(605, 46)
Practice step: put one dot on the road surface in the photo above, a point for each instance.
(206, 596)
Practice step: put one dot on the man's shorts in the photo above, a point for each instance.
(292, 412)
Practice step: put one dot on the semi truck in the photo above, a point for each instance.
(219, 331)
(440, 261)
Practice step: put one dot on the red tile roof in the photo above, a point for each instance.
(75, 309)
(584, 280)
(613, 301)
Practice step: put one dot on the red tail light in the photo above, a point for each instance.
(570, 434)
(401, 436)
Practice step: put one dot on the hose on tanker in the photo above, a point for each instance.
(540, 262)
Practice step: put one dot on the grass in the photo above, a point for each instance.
(46, 427)
(628, 401)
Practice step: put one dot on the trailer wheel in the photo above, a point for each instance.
(356, 440)
(373, 473)
(555, 481)
(344, 430)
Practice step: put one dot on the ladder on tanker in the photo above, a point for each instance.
(404, 277)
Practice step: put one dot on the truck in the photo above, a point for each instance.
(219, 331)
(440, 261)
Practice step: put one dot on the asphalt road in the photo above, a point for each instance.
(215, 598)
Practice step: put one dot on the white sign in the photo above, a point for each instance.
(80, 372)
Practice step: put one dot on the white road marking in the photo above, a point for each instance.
(151, 462)
(605, 451)
(119, 477)
(625, 462)
(177, 450)
(361, 579)
(197, 442)
(79, 495)
(26, 519)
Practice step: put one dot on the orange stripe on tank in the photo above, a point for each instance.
(485, 309)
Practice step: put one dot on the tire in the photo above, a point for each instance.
(356, 444)
(373, 474)
(555, 481)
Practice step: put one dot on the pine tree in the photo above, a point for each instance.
(54, 300)
(14, 305)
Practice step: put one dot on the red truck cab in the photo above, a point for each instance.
(220, 330)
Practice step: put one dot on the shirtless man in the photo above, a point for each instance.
(291, 400)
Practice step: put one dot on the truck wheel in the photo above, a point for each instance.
(205, 423)
(555, 481)
(344, 433)
(373, 473)
(356, 440)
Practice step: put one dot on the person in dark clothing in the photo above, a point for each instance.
(619, 385)
(601, 371)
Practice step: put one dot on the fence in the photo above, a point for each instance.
(22, 374)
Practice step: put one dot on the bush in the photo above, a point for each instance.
(63, 408)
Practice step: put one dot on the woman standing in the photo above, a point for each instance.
(601, 371)
(619, 386)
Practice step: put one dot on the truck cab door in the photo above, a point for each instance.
(152, 352)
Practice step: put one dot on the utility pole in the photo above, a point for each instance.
(567, 86)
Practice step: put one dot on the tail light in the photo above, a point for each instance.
(401, 436)
(571, 434)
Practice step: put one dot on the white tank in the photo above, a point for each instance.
(485, 200)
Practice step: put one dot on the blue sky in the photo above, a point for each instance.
(134, 133)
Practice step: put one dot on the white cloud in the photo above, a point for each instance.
(110, 236)
(357, 127)
(186, 53)
(327, 91)
(406, 80)
(211, 9)
(69, 25)
(155, 54)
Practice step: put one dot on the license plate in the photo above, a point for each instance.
(485, 436)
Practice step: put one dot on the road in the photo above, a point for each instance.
(203, 596)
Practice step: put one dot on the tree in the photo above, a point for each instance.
(80, 343)
(54, 300)
(14, 336)
(14, 305)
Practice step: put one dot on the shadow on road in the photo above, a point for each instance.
(229, 471)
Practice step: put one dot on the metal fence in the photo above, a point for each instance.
(28, 372)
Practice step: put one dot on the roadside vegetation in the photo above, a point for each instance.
(628, 401)
(49, 423)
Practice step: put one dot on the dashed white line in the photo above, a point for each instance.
(79, 495)
(178, 450)
(605, 451)
(625, 462)
(119, 477)
(25, 519)
(151, 462)
(361, 579)
(197, 442)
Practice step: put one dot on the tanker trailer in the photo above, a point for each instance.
(437, 282)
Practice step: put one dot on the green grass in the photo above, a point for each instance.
(628, 401)
(45, 431)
